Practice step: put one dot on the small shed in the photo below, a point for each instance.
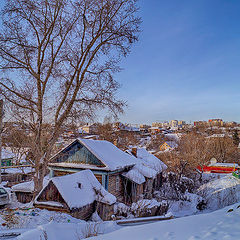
(79, 194)
(24, 191)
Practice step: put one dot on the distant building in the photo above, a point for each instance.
(157, 124)
(118, 126)
(89, 128)
(168, 145)
(181, 123)
(200, 123)
(173, 123)
(7, 158)
(215, 122)
(177, 123)
(155, 130)
(144, 128)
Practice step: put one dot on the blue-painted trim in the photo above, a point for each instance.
(106, 182)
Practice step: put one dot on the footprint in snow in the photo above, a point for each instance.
(170, 235)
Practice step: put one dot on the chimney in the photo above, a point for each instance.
(134, 151)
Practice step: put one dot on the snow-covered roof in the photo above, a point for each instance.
(224, 164)
(90, 189)
(150, 160)
(7, 154)
(147, 166)
(108, 154)
(14, 170)
(173, 136)
(135, 176)
(111, 156)
(28, 186)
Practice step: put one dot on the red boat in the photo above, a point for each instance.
(219, 168)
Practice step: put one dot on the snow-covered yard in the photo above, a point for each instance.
(218, 192)
(221, 224)
(33, 223)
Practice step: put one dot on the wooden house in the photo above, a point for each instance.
(89, 128)
(78, 194)
(128, 176)
(168, 145)
(103, 158)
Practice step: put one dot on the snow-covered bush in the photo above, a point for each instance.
(120, 209)
(146, 208)
(174, 187)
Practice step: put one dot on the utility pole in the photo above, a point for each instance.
(1, 129)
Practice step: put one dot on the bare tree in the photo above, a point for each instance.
(223, 149)
(17, 140)
(57, 59)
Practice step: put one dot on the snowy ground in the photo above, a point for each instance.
(220, 224)
(37, 224)
(33, 223)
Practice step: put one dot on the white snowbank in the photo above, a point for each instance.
(50, 203)
(224, 165)
(121, 208)
(185, 207)
(221, 192)
(65, 231)
(216, 225)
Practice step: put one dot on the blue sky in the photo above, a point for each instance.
(186, 64)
